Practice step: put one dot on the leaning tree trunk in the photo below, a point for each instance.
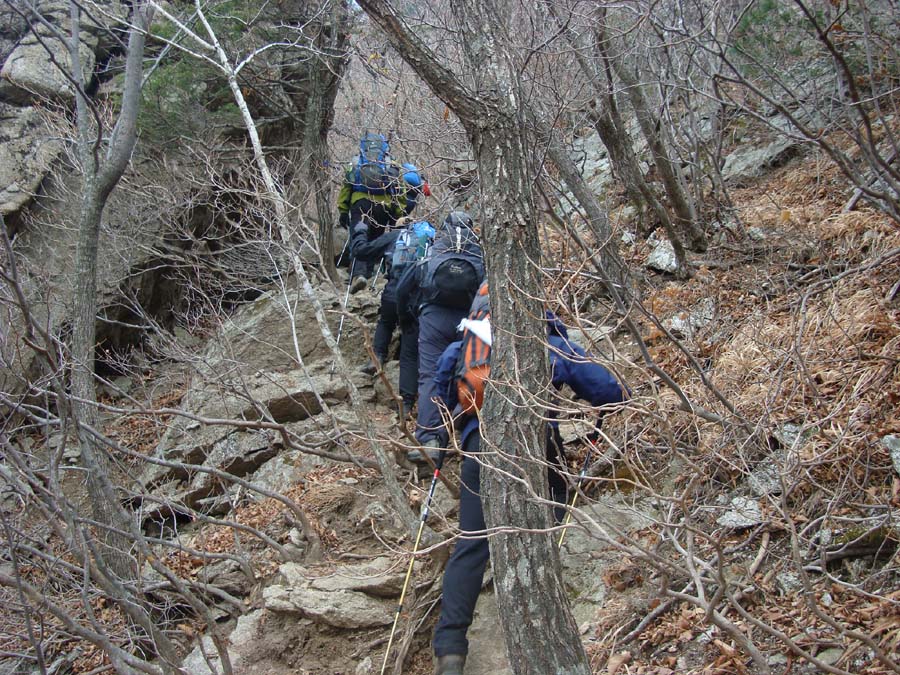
(540, 632)
(669, 173)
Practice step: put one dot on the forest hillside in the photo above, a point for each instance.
(197, 473)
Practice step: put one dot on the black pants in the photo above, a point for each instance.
(465, 569)
(379, 219)
(409, 346)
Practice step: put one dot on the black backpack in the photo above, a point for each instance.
(454, 271)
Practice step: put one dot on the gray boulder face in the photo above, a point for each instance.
(750, 162)
(662, 257)
(356, 597)
(30, 74)
(27, 151)
(132, 226)
(12, 27)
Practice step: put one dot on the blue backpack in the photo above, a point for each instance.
(373, 171)
(411, 246)
(454, 271)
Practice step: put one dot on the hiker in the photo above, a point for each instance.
(417, 187)
(373, 193)
(401, 248)
(438, 293)
(464, 573)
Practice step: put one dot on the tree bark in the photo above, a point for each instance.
(100, 177)
(540, 632)
(685, 215)
(330, 41)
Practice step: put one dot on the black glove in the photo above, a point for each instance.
(344, 220)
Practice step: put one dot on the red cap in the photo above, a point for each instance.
(426, 190)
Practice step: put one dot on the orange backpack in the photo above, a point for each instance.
(474, 365)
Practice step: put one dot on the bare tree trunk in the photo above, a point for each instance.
(100, 177)
(669, 172)
(330, 41)
(540, 632)
(608, 124)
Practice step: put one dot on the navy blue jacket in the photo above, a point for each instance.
(373, 251)
(569, 364)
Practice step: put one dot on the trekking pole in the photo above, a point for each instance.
(412, 559)
(346, 244)
(377, 273)
(581, 475)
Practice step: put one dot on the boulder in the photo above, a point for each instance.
(27, 151)
(662, 257)
(268, 334)
(892, 443)
(238, 454)
(341, 609)
(487, 648)
(686, 324)
(30, 73)
(745, 512)
(380, 577)
(351, 596)
(750, 162)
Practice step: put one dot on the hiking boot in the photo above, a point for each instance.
(357, 284)
(449, 664)
(372, 367)
(406, 408)
(432, 447)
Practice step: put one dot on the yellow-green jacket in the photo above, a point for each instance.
(347, 197)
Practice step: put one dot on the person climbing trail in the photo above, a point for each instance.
(400, 248)
(439, 291)
(373, 193)
(459, 383)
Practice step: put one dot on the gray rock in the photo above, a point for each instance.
(380, 577)
(238, 454)
(392, 373)
(586, 551)
(662, 257)
(27, 151)
(260, 337)
(789, 582)
(342, 609)
(766, 478)
(487, 648)
(29, 74)
(744, 512)
(283, 472)
(241, 647)
(777, 660)
(365, 667)
(227, 575)
(830, 656)
(756, 233)
(892, 443)
(789, 435)
(686, 324)
(195, 663)
(750, 162)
